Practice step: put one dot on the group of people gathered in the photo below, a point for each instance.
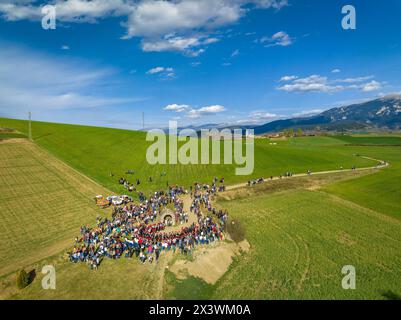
(136, 229)
(255, 181)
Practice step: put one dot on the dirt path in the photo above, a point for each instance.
(382, 164)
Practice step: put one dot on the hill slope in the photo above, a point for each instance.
(381, 113)
(43, 203)
(97, 152)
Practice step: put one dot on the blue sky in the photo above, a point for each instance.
(210, 61)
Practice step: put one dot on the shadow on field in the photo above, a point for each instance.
(390, 295)
(236, 230)
(31, 276)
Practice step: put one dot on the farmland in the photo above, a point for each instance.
(97, 152)
(42, 204)
(301, 231)
(300, 241)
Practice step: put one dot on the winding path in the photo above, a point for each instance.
(381, 164)
(187, 201)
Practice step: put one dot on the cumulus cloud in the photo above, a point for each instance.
(371, 86)
(181, 25)
(259, 117)
(281, 39)
(312, 83)
(191, 46)
(194, 113)
(316, 83)
(288, 78)
(177, 107)
(353, 80)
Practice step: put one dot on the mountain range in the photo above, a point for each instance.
(382, 113)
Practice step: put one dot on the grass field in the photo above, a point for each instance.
(98, 151)
(300, 241)
(380, 192)
(42, 204)
(372, 140)
(301, 231)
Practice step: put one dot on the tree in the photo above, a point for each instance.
(22, 279)
(300, 132)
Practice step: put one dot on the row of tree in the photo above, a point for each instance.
(291, 133)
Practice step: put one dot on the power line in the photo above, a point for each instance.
(30, 126)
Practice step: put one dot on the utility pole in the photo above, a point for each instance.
(30, 126)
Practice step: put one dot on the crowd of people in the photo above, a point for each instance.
(255, 181)
(136, 229)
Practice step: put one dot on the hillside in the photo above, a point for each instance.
(98, 152)
(384, 113)
(43, 203)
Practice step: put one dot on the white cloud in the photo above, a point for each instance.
(163, 72)
(188, 45)
(50, 84)
(316, 83)
(155, 70)
(280, 38)
(212, 109)
(335, 71)
(190, 23)
(65, 47)
(194, 113)
(288, 78)
(259, 117)
(78, 11)
(371, 86)
(312, 83)
(177, 107)
(353, 80)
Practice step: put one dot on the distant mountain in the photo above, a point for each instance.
(383, 113)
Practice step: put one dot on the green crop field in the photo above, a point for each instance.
(300, 240)
(301, 231)
(381, 191)
(97, 152)
(42, 205)
(371, 140)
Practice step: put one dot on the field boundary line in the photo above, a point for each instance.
(60, 161)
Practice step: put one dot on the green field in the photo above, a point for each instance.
(97, 152)
(42, 205)
(301, 231)
(371, 140)
(300, 241)
(381, 191)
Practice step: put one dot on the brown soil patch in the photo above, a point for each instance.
(211, 263)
